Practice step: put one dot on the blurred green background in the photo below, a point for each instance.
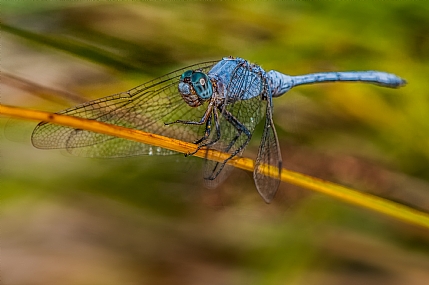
(149, 220)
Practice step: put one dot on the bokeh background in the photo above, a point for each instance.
(149, 220)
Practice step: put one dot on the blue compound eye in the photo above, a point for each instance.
(202, 85)
(186, 74)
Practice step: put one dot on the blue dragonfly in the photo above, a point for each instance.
(214, 104)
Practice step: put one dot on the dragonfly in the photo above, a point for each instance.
(215, 105)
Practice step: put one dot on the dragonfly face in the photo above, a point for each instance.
(195, 87)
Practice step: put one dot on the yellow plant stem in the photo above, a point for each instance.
(349, 195)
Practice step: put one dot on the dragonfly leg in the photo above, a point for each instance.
(206, 131)
(217, 127)
(200, 122)
(240, 129)
(206, 119)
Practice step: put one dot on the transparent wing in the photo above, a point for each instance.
(268, 154)
(146, 107)
(246, 112)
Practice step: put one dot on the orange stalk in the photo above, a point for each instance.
(346, 194)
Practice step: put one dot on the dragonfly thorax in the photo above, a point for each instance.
(195, 87)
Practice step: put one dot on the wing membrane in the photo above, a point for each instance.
(268, 154)
(247, 111)
(146, 107)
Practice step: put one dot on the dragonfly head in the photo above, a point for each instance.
(195, 87)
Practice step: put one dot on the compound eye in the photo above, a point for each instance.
(197, 77)
(202, 85)
(186, 76)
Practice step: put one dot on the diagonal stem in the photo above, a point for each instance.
(349, 195)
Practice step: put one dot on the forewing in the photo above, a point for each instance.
(146, 107)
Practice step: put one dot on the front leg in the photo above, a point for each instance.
(240, 130)
(217, 127)
(205, 119)
(208, 129)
